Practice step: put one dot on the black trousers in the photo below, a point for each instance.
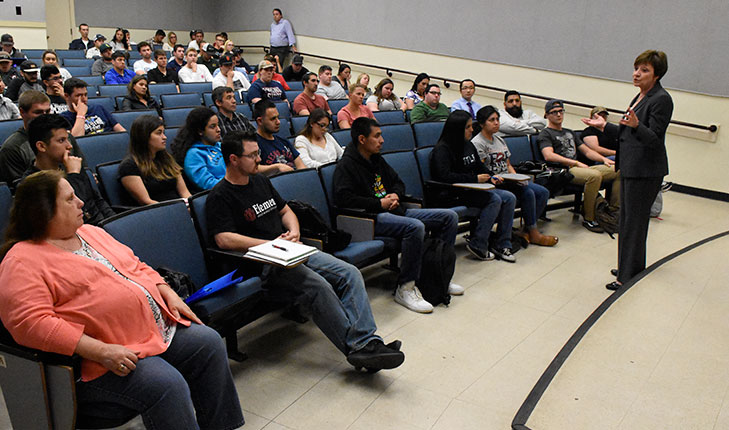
(282, 52)
(636, 198)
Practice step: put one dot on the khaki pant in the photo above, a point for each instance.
(592, 178)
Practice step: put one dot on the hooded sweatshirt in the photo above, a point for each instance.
(204, 165)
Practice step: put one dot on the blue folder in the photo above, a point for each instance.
(217, 285)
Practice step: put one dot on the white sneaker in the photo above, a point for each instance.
(455, 289)
(409, 296)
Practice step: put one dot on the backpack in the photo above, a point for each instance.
(552, 178)
(608, 217)
(313, 226)
(439, 264)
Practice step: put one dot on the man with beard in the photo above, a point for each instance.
(103, 64)
(517, 122)
(28, 80)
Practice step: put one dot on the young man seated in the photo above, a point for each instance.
(244, 210)
(162, 73)
(85, 119)
(228, 119)
(277, 154)
(364, 180)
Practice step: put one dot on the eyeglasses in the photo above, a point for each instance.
(435, 93)
(557, 112)
(314, 80)
(252, 155)
(55, 78)
(322, 125)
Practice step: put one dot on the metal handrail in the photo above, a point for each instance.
(447, 83)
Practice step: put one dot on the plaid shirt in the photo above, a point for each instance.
(238, 122)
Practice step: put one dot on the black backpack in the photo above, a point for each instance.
(552, 178)
(439, 264)
(313, 226)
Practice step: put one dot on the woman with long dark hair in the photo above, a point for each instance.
(384, 98)
(149, 173)
(343, 75)
(197, 149)
(138, 97)
(455, 160)
(315, 145)
(417, 91)
(119, 41)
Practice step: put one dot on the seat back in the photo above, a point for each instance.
(161, 234)
(298, 123)
(112, 90)
(283, 109)
(127, 118)
(196, 87)
(78, 70)
(171, 133)
(520, 148)
(285, 129)
(403, 162)
(386, 117)
(208, 100)
(427, 133)
(535, 147)
(292, 94)
(92, 80)
(164, 88)
(326, 174)
(75, 62)
(106, 102)
(294, 85)
(9, 127)
(303, 185)
(181, 100)
(343, 137)
(197, 210)
(175, 117)
(422, 155)
(6, 201)
(244, 110)
(111, 187)
(102, 148)
(93, 90)
(70, 53)
(336, 104)
(397, 137)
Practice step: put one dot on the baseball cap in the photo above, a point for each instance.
(6, 39)
(28, 66)
(104, 47)
(598, 109)
(298, 59)
(226, 59)
(210, 49)
(4, 56)
(100, 36)
(265, 65)
(553, 104)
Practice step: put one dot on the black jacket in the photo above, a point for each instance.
(132, 103)
(354, 180)
(451, 168)
(642, 150)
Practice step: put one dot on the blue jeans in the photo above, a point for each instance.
(192, 378)
(533, 199)
(410, 229)
(334, 292)
(498, 208)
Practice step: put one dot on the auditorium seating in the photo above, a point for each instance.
(78, 70)
(8, 127)
(389, 117)
(165, 88)
(108, 103)
(196, 87)
(336, 104)
(397, 137)
(111, 188)
(175, 117)
(103, 147)
(112, 90)
(6, 200)
(343, 137)
(427, 133)
(127, 118)
(520, 149)
(283, 109)
(181, 100)
(74, 62)
(92, 80)
(295, 85)
(70, 53)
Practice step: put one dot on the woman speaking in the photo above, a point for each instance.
(642, 160)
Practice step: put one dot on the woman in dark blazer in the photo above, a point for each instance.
(642, 160)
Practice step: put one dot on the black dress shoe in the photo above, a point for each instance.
(613, 285)
(375, 356)
(614, 272)
(395, 345)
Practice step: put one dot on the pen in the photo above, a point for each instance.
(280, 247)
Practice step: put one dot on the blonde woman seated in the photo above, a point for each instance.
(384, 98)
(315, 145)
(149, 173)
(354, 109)
(364, 79)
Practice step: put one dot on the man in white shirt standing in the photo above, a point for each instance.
(228, 77)
(141, 67)
(518, 122)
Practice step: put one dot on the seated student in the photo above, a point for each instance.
(50, 143)
(207, 58)
(384, 98)
(330, 90)
(119, 42)
(83, 42)
(277, 153)
(70, 288)
(158, 41)
(229, 118)
(118, 74)
(83, 118)
(149, 173)
(161, 74)
(416, 94)
(364, 180)
(295, 71)
(364, 79)
(276, 76)
(138, 97)
(8, 45)
(197, 149)
(8, 110)
(145, 64)
(494, 153)
(53, 81)
(193, 72)
(28, 80)
(454, 159)
(103, 64)
(467, 89)
(308, 100)
(94, 52)
(265, 88)
(431, 109)
(239, 65)
(560, 145)
(331, 289)
(343, 75)
(354, 109)
(7, 71)
(315, 145)
(228, 77)
(177, 61)
(602, 138)
(171, 42)
(516, 121)
(51, 59)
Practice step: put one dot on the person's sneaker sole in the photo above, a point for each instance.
(500, 256)
(376, 361)
(489, 256)
(402, 302)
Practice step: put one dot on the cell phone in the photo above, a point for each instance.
(625, 115)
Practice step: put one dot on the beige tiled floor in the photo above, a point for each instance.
(470, 366)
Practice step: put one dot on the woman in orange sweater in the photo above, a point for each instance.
(70, 288)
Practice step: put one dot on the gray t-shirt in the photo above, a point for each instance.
(564, 142)
(494, 153)
(333, 91)
(385, 104)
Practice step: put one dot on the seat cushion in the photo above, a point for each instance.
(358, 252)
(250, 289)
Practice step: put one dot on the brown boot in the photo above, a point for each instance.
(540, 239)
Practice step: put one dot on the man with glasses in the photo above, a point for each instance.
(309, 100)
(228, 119)
(28, 80)
(53, 81)
(515, 121)
(431, 109)
(467, 88)
(560, 145)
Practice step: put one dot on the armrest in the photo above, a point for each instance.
(120, 208)
(361, 229)
(357, 213)
(316, 243)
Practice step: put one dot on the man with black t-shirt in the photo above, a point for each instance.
(53, 81)
(244, 210)
(161, 73)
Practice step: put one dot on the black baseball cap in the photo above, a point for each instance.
(553, 104)
(298, 59)
(226, 59)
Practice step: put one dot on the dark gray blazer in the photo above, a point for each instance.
(642, 150)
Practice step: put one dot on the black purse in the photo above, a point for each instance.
(180, 282)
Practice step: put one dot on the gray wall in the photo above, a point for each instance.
(31, 10)
(585, 38)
